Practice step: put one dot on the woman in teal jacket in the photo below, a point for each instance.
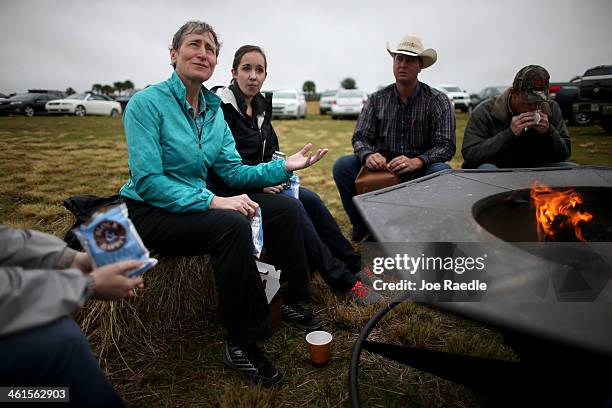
(175, 134)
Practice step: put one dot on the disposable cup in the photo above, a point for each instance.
(319, 345)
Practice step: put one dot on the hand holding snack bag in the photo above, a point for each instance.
(109, 237)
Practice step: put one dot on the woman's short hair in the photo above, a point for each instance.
(194, 27)
(245, 49)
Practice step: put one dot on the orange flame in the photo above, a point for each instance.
(556, 211)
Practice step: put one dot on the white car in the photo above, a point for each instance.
(86, 103)
(288, 103)
(459, 96)
(348, 102)
(326, 101)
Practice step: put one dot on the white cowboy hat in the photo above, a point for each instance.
(412, 45)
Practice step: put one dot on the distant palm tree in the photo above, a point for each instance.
(69, 91)
(128, 85)
(348, 83)
(118, 86)
(97, 88)
(309, 87)
(107, 89)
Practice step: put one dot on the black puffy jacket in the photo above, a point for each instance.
(255, 138)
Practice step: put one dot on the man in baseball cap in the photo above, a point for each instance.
(522, 127)
(532, 83)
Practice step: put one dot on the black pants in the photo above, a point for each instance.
(328, 251)
(226, 236)
(56, 354)
(331, 254)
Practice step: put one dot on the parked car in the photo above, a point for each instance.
(28, 104)
(54, 93)
(326, 101)
(486, 93)
(125, 98)
(595, 95)
(86, 103)
(288, 103)
(3, 96)
(348, 103)
(459, 96)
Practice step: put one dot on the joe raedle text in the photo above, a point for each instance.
(446, 285)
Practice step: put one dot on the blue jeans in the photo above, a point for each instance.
(56, 355)
(491, 166)
(345, 172)
(328, 250)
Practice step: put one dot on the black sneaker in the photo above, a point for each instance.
(297, 315)
(252, 365)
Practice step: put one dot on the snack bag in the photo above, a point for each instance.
(109, 236)
(257, 231)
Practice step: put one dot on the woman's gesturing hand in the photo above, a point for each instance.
(303, 159)
(241, 203)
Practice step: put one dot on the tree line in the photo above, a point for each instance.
(310, 88)
(116, 89)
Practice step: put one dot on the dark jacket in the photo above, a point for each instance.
(489, 139)
(255, 138)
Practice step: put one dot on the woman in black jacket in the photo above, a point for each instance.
(248, 114)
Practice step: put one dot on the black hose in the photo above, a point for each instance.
(353, 391)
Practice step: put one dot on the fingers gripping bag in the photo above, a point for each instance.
(109, 236)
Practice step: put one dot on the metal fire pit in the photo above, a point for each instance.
(558, 343)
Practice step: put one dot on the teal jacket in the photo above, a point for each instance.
(169, 154)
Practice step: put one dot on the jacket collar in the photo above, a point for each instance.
(211, 101)
(228, 96)
(501, 110)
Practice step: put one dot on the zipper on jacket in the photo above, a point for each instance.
(199, 133)
(263, 148)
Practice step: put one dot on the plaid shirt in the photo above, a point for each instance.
(423, 127)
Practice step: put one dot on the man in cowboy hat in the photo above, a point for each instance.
(522, 127)
(407, 128)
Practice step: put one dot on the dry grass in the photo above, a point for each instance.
(164, 347)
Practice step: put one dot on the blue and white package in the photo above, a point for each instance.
(109, 237)
(293, 189)
(257, 231)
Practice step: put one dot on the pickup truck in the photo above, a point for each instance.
(595, 97)
(566, 93)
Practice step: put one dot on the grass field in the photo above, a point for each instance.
(44, 160)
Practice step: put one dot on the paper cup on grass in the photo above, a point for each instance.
(319, 344)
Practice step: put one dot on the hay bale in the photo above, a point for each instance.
(177, 290)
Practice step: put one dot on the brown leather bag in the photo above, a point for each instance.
(367, 180)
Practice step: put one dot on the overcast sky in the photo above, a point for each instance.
(62, 43)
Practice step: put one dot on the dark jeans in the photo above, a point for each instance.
(226, 236)
(56, 355)
(345, 171)
(328, 250)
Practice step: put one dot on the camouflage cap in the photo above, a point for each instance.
(532, 83)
